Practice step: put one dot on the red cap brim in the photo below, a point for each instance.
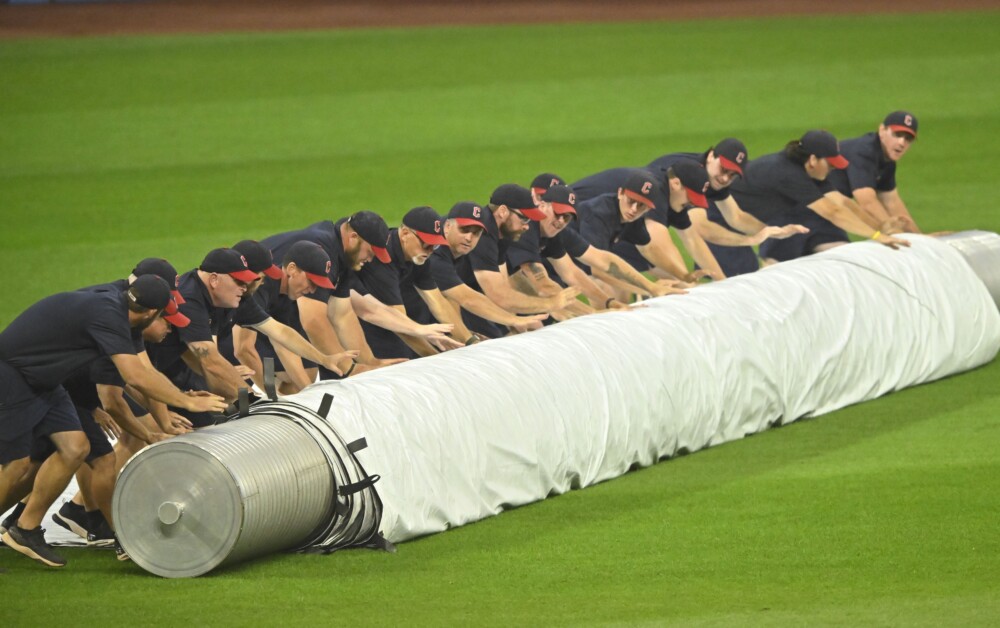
(177, 320)
(467, 222)
(903, 128)
(539, 191)
(274, 272)
(696, 198)
(730, 165)
(246, 276)
(534, 213)
(838, 161)
(177, 297)
(430, 238)
(562, 208)
(635, 196)
(320, 280)
(173, 315)
(382, 254)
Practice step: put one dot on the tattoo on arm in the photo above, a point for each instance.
(537, 270)
(618, 273)
(201, 352)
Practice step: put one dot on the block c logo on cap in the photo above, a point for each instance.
(245, 265)
(647, 187)
(329, 266)
(572, 198)
(908, 120)
(437, 226)
(477, 212)
(740, 156)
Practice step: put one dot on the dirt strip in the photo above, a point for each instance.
(201, 16)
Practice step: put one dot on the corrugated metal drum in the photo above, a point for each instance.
(222, 495)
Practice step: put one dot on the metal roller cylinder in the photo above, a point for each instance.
(222, 495)
(981, 249)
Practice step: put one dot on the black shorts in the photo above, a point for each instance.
(821, 231)
(100, 446)
(386, 344)
(26, 414)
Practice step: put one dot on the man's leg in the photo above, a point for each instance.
(54, 475)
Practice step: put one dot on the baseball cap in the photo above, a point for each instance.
(902, 121)
(824, 144)
(229, 262)
(467, 213)
(517, 198)
(544, 181)
(312, 260)
(161, 268)
(426, 223)
(153, 292)
(732, 153)
(640, 186)
(562, 198)
(259, 258)
(373, 230)
(694, 178)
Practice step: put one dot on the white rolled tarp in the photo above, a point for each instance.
(460, 436)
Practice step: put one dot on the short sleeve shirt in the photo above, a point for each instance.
(488, 255)
(442, 265)
(868, 167)
(206, 322)
(65, 332)
(775, 185)
(610, 181)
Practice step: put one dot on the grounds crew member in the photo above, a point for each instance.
(484, 269)
(39, 350)
(551, 241)
(604, 220)
(408, 285)
(190, 357)
(330, 316)
(463, 229)
(541, 248)
(791, 186)
(870, 176)
(269, 313)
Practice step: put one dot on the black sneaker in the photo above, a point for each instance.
(102, 536)
(74, 518)
(120, 552)
(11, 519)
(32, 544)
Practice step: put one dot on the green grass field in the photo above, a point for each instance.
(114, 149)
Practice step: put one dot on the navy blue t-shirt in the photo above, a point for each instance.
(610, 181)
(774, 186)
(389, 282)
(206, 321)
(533, 247)
(868, 167)
(600, 223)
(65, 332)
(442, 266)
(326, 234)
(489, 253)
